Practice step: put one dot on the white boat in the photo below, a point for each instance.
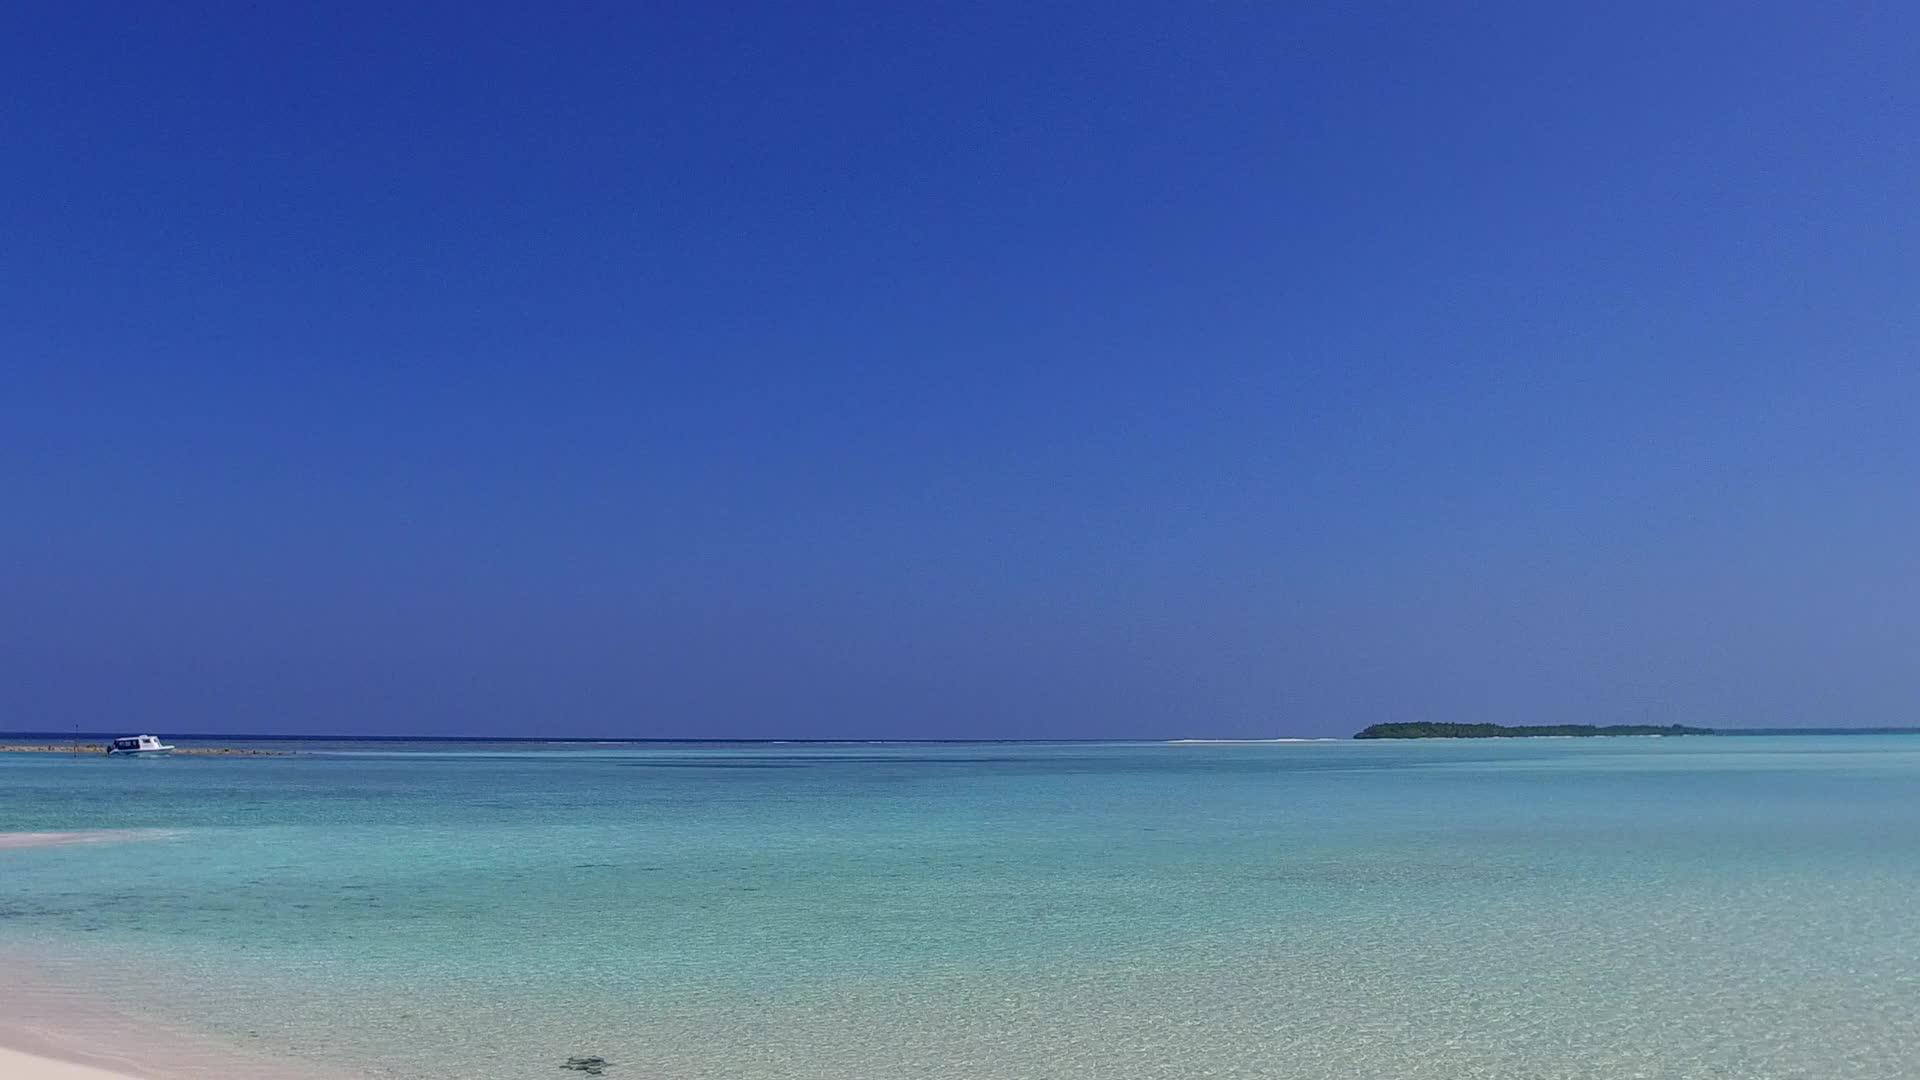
(138, 746)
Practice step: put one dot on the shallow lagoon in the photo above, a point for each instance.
(1681, 907)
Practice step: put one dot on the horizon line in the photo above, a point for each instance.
(63, 736)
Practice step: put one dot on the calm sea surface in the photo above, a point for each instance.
(1742, 908)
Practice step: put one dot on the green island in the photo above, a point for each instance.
(1525, 731)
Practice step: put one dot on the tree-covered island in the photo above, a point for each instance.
(1501, 731)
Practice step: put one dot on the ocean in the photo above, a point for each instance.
(1647, 908)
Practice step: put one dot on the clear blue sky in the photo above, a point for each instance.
(1082, 370)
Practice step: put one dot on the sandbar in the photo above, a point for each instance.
(90, 836)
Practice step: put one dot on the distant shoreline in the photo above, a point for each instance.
(100, 749)
(1500, 731)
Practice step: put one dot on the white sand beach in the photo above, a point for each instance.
(22, 1066)
(136, 1052)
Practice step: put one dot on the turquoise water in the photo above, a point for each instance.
(1683, 908)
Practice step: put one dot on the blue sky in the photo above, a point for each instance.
(1061, 370)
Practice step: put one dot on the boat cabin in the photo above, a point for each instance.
(138, 744)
